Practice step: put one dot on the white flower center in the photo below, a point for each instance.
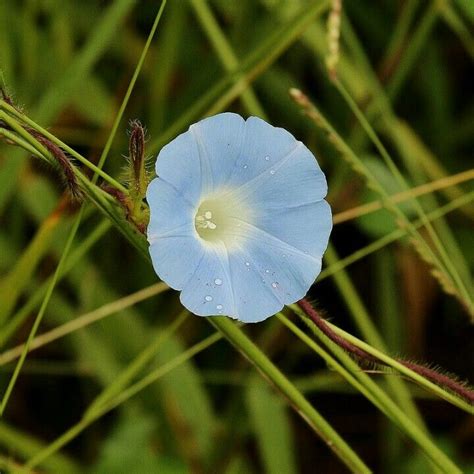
(203, 221)
(219, 219)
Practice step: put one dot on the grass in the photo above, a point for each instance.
(136, 395)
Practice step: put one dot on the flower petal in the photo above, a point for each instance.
(169, 210)
(219, 142)
(294, 180)
(306, 227)
(178, 164)
(225, 284)
(263, 146)
(210, 290)
(251, 282)
(269, 274)
(174, 247)
(175, 258)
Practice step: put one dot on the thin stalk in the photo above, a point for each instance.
(40, 314)
(12, 137)
(131, 391)
(393, 168)
(135, 366)
(330, 361)
(20, 316)
(43, 152)
(399, 36)
(393, 236)
(392, 410)
(84, 320)
(403, 196)
(130, 88)
(78, 219)
(257, 358)
(423, 248)
(403, 369)
(413, 49)
(224, 52)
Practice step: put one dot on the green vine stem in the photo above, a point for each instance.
(257, 358)
(384, 402)
(370, 354)
(8, 113)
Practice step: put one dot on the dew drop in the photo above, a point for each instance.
(267, 271)
(247, 264)
(267, 158)
(272, 171)
(208, 298)
(219, 306)
(274, 284)
(218, 281)
(245, 167)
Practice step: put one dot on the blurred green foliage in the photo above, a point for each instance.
(407, 63)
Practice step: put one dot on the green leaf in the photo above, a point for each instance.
(98, 108)
(22, 446)
(269, 417)
(61, 90)
(381, 223)
(130, 448)
(467, 7)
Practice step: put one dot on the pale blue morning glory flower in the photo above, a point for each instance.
(238, 220)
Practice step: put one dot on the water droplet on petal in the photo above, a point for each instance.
(267, 158)
(267, 271)
(208, 298)
(218, 281)
(219, 306)
(272, 171)
(247, 264)
(274, 284)
(245, 167)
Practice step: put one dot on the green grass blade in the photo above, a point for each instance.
(273, 437)
(257, 358)
(225, 52)
(60, 91)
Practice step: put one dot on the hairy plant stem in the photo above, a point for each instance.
(434, 376)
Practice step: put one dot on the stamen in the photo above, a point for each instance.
(218, 217)
(203, 221)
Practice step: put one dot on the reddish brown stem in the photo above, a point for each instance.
(440, 379)
(306, 306)
(432, 375)
(62, 161)
(61, 158)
